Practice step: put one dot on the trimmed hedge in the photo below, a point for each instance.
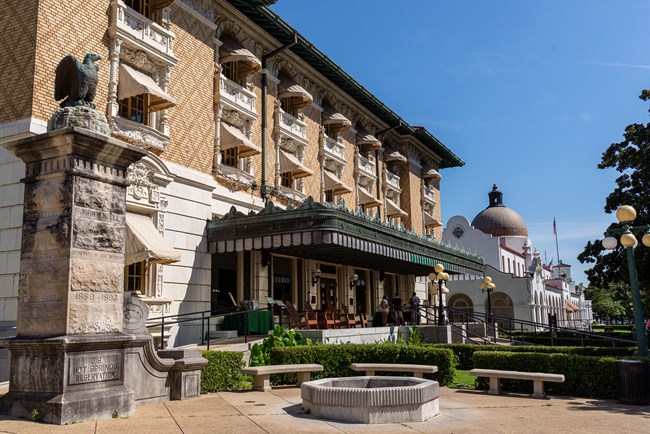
(464, 352)
(223, 371)
(585, 376)
(569, 341)
(336, 359)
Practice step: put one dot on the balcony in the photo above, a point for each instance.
(429, 195)
(392, 181)
(141, 33)
(293, 127)
(238, 97)
(334, 150)
(367, 167)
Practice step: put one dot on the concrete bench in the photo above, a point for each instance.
(537, 378)
(262, 374)
(371, 368)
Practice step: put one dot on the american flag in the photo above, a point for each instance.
(554, 227)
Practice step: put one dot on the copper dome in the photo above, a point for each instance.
(499, 220)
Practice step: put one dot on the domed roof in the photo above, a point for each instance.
(499, 220)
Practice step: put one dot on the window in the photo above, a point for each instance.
(287, 106)
(331, 131)
(134, 277)
(232, 71)
(135, 108)
(141, 6)
(287, 179)
(230, 157)
(329, 196)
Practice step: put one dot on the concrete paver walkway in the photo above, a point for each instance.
(280, 411)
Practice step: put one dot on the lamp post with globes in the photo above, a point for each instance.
(626, 215)
(439, 277)
(488, 286)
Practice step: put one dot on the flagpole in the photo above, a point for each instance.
(557, 248)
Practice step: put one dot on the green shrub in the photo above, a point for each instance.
(464, 352)
(261, 353)
(585, 376)
(336, 359)
(223, 371)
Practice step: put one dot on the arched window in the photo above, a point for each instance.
(503, 309)
(461, 306)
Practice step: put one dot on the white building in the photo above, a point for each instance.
(526, 288)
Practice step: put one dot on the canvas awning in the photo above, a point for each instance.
(332, 182)
(366, 199)
(431, 221)
(367, 142)
(430, 173)
(335, 119)
(290, 163)
(392, 209)
(157, 5)
(232, 51)
(232, 137)
(570, 307)
(392, 156)
(144, 242)
(133, 82)
(290, 89)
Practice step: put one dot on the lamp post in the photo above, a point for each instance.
(488, 286)
(626, 215)
(440, 277)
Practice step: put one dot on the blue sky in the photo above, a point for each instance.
(528, 93)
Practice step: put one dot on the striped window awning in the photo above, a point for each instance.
(366, 199)
(290, 89)
(332, 182)
(133, 82)
(291, 163)
(233, 51)
(144, 242)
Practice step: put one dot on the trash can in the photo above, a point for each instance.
(633, 381)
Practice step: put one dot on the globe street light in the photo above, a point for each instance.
(626, 215)
(488, 286)
(440, 276)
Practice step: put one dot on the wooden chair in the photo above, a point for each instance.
(349, 320)
(311, 318)
(296, 319)
(363, 320)
(338, 323)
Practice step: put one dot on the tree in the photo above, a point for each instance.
(631, 158)
(611, 302)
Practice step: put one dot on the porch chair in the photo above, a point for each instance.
(349, 322)
(310, 317)
(296, 319)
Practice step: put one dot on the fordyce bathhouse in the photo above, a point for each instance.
(243, 121)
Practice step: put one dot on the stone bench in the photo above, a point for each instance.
(262, 374)
(537, 378)
(371, 368)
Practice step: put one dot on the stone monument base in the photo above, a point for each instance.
(80, 378)
(79, 116)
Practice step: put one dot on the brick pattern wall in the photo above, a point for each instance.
(73, 27)
(191, 121)
(18, 44)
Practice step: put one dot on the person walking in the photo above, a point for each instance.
(414, 301)
(384, 308)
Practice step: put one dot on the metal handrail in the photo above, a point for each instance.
(205, 317)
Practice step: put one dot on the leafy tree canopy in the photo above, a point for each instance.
(631, 158)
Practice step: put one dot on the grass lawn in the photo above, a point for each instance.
(462, 380)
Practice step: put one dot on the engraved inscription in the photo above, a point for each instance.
(89, 368)
(93, 296)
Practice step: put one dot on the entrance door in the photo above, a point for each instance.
(327, 292)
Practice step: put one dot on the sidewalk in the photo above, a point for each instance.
(280, 411)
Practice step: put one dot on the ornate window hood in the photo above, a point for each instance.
(335, 234)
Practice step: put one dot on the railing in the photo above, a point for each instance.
(429, 196)
(140, 29)
(237, 95)
(293, 126)
(392, 180)
(335, 150)
(204, 317)
(367, 166)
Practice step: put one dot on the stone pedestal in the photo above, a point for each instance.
(67, 360)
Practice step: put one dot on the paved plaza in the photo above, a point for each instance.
(280, 411)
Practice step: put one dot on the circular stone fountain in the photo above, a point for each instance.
(372, 399)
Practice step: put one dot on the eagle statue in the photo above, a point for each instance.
(76, 81)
